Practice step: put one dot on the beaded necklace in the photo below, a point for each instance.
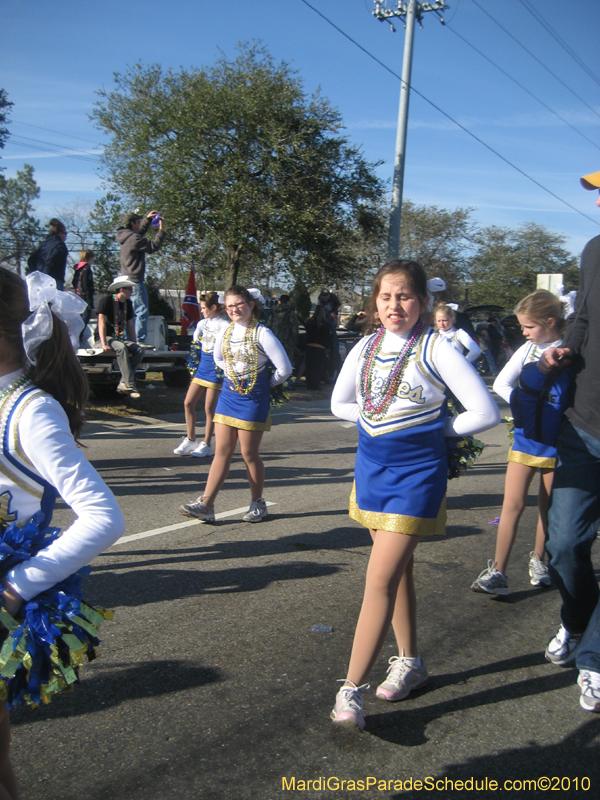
(8, 398)
(120, 319)
(12, 387)
(247, 352)
(376, 404)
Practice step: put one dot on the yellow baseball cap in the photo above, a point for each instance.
(591, 181)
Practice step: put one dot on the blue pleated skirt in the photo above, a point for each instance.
(400, 480)
(248, 412)
(208, 374)
(533, 454)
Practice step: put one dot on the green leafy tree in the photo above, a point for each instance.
(506, 262)
(5, 106)
(238, 153)
(20, 231)
(440, 240)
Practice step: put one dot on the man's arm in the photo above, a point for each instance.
(102, 320)
(150, 245)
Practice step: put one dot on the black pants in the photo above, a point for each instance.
(315, 363)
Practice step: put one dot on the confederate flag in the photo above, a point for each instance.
(190, 310)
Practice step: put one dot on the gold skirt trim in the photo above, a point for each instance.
(243, 424)
(541, 462)
(398, 523)
(207, 384)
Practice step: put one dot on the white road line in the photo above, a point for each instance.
(179, 525)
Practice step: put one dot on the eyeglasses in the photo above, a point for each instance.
(238, 306)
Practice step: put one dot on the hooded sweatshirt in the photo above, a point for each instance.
(134, 247)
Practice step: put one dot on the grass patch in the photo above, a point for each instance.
(156, 399)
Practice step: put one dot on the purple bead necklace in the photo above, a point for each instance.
(375, 408)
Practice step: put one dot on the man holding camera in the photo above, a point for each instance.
(134, 246)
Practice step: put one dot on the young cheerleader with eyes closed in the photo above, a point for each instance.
(392, 385)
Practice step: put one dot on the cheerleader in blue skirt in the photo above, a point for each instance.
(540, 317)
(207, 380)
(392, 385)
(43, 391)
(244, 351)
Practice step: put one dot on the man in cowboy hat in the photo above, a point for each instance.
(574, 514)
(116, 331)
(134, 246)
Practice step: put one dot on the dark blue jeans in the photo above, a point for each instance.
(573, 519)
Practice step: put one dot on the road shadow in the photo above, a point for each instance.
(140, 586)
(120, 683)
(571, 767)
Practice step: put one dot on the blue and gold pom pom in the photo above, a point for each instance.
(44, 647)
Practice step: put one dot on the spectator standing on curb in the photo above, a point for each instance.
(83, 282)
(284, 324)
(574, 514)
(116, 331)
(319, 339)
(134, 246)
(51, 256)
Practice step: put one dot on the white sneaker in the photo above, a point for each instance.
(202, 451)
(186, 447)
(404, 675)
(562, 647)
(348, 709)
(589, 681)
(258, 510)
(199, 510)
(538, 571)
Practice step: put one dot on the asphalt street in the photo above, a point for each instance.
(211, 684)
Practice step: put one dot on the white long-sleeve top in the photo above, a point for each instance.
(207, 331)
(432, 367)
(509, 375)
(269, 349)
(41, 440)
(461, 341)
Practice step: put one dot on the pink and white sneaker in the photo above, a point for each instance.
(348, 709)
(404, 675)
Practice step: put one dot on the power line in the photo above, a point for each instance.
(541, 63)
(21, 143)
(525, 89)
(51, 130)
(445, 114)
(526, 5)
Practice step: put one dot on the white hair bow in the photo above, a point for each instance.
(257, 296)
(67, 306)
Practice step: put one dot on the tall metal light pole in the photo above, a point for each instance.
(409, 10)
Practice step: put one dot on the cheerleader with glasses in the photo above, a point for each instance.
(43, 392)
(392, 385)
(244, 351)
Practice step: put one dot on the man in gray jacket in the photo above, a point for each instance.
(134, 246)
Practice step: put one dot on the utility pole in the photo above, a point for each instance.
(409, 11)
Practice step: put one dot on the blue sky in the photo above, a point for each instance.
(51, 63)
